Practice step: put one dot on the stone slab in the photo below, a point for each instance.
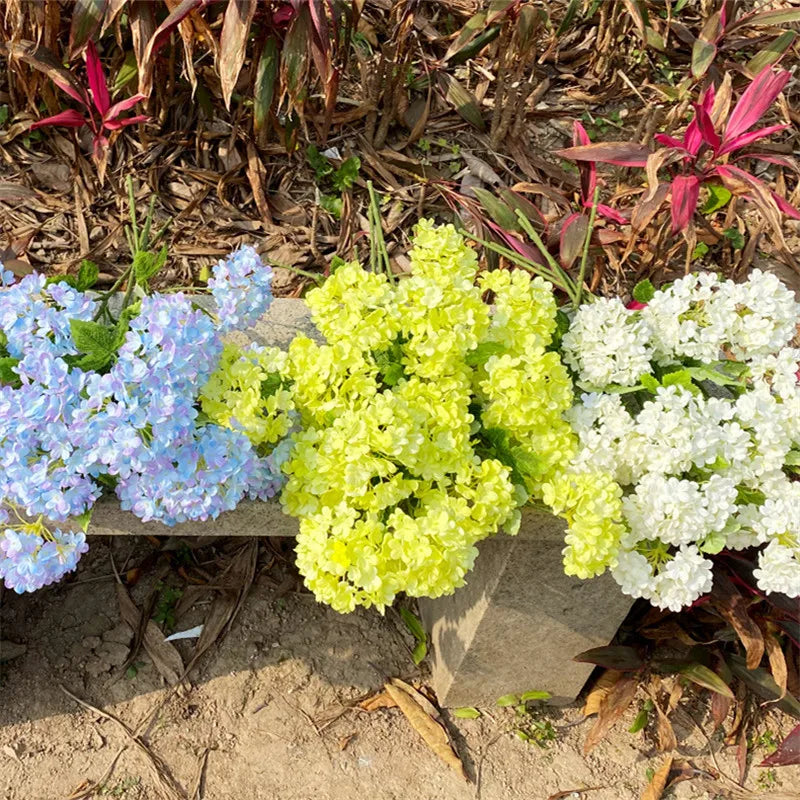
(519, 621)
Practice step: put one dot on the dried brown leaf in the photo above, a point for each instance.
(165, 657)
(777, 661)
(733, 607)
(233, 43)
(720, 708)
(377, 701)
(658, 783)
(433, 734)
(612, 708)
(235, 583)
(667, 741)
(604, 684)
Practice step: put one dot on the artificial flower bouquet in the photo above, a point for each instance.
(689, 398)
(92, 402)
(440, 404)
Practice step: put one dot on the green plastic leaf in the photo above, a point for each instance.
(526, 462)
(87, 275)
(650, 383)
(270, 385)
(83, 519)
(681, 377)
(468, 712)
(483, 352)
(718, 197)
(735, 237)
(792, 458)
(714, 543)
(147, 264)
(535, 695)
(92, 338)
(508, 700)
(745, 496)
(7, 374)
(644, 291)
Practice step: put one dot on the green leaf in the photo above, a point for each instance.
(483, 352)
(792, 458)
(468, 712)
(508, 700)
(771, 53)
(414, 625)
(3, 114)
(718, 197)
(745, 496)
(681, 377)
(572, 10)
(331, 204)
(699, 251)
(87, 275)
(650, 383)
(147, 264)
(346, 175)
(126, 73)
(264, 88)
(526, 462)
(734, 237)
(70, 280)
(321, 166)
(462, 100)
(697, 673)
(83, 519)
(714, 543)
(92, 338)
(640, 722)
(535, 695)
(7, 374)
(644, 291)
(419, 652)
(497, 210)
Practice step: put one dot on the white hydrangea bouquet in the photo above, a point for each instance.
(691, 403)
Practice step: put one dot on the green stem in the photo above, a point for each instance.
(587, 240)
(566, 281)
(379, 255)
(132, 212)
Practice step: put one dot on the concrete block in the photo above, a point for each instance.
(519, 621)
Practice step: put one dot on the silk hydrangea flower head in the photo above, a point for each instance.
(704, 442)
(242, 289)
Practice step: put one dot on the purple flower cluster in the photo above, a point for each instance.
(63, 429)
(242, 289)
(29, 561)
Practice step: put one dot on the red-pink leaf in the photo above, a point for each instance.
(635, 305)
(706, 127)
(788, 751)
(100, 147)
(516, 245)
(123, 105)
(579, 135)
(609, 213)
(668, 141)
(621, 154)
(785, 207)
(685, 193)
(97, 79)
(116, 124)
(692, 138)
(65, 119)
(587, 169)
(757, 98)
(748, 138)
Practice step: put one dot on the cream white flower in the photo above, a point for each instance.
(779, 569)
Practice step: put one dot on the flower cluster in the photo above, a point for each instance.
(242, 289)
(407, 446)
(693, 407)
(71, 426)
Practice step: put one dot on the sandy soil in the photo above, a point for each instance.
(268, 713)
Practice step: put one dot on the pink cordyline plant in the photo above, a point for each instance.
(99, 115)
(704, 154)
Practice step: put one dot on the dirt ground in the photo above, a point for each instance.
(269, 714)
